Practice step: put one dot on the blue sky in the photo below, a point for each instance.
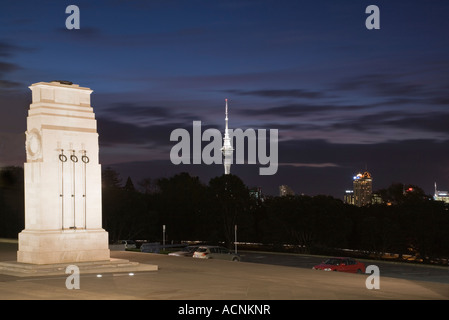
(343, 98)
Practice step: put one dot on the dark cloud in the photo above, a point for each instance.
(112, 132)
(276, 93)
(366, 122)
(381, 84)
(441, 98)
(431, 122)
(398, 89)
(146, 114)
(415, 122)
(136, 110)
(103, 37)
(83, 33)
(5, 84)
(300, 109)
(8, 67)
(8, 49)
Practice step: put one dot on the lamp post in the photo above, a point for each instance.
(163, 236)
(235, 238)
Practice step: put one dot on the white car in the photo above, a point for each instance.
(215, 252)
(185, 252)
(129, 244)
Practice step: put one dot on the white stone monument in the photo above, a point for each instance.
(63, 212)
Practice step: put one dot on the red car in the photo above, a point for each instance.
(341, 264)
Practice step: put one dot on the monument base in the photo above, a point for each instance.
(116, 266)
(63, 246)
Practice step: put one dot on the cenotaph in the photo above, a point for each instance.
(63, 212)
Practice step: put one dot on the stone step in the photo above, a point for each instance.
(14, 268)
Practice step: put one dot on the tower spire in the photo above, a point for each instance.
(227, 149)
(226, 118)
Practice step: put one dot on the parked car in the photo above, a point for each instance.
(341, 264)
(150, 247)
(215, 252)
(185, 252)
(129, 244)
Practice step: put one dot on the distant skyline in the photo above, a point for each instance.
(343, 98)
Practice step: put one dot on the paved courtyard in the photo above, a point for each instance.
(179, 278)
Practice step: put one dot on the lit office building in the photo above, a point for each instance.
(363, 189)
(256, 193)
(441, 195)
(348, 198)
(285, 190)
(376, 199)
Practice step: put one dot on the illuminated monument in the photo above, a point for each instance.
(227, 147)
(63, 214)
(363, 189)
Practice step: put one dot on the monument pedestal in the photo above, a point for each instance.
(115, 266)
(47, 247)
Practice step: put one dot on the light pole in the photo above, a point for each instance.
(163, 236)
(235, 238)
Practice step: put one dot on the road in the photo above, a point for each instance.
(390, 269)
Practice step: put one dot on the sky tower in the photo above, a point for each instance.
(227, 147)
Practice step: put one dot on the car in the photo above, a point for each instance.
(129, 244)
(150, 247)
(342, 264)
(185, 252)
(215, 252)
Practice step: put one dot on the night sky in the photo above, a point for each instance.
(344, 98)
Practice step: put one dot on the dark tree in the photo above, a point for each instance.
(399, 193)
(12, 211)
(125, 210)
(231, 203)
(110, 178)
(129, 185)
(147, 185)
(180, 203)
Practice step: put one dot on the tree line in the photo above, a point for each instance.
(192, 210)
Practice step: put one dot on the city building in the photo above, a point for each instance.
(376, 199)
(441, 195)
(285, 190)
(349, 197)
(256, 193)
(363, 189)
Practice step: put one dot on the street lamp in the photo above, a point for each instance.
(235, 238)
(163, 237)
